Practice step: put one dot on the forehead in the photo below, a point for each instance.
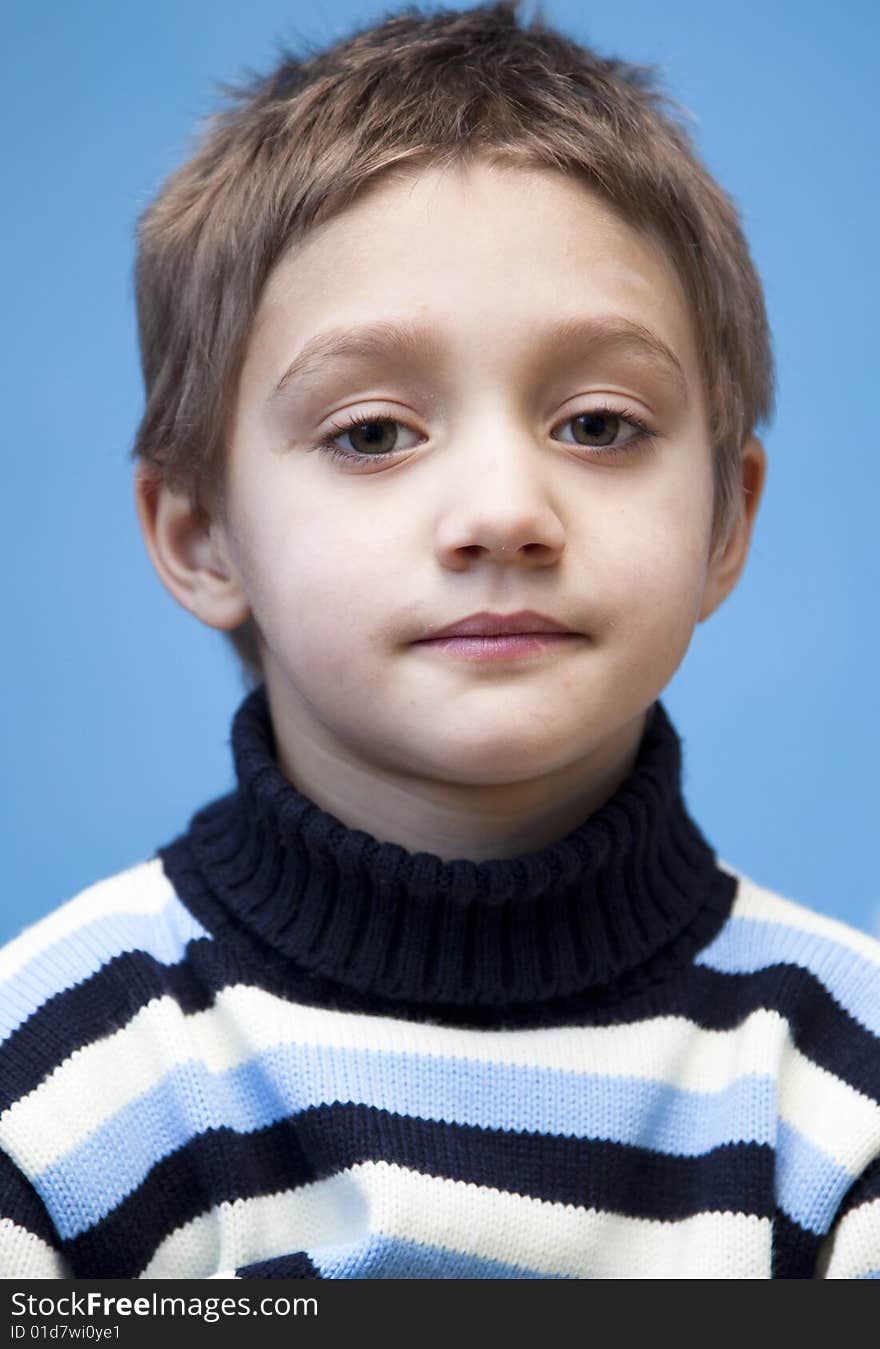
(481, 259)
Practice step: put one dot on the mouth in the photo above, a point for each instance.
(487, 636)
(524, 623)
(513, 646)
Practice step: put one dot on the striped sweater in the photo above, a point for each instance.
(282, 1048)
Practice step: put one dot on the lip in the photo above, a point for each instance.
(525, 622)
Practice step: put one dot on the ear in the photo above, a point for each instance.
(727, 562)
(189, 553)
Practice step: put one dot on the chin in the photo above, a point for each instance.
(494, 761)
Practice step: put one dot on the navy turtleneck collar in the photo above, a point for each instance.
(633, 888)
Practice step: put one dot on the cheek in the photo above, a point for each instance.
(312, 583)
(656, 568)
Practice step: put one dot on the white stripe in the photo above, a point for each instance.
(240, 1231)
(855, 1249)
(93, 1083)
(26, 1256)
(549, 1238)
(668, 1049)
(753, 901)
(141, 889)
(831, 1114)
(100, 1079)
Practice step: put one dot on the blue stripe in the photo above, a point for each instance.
(745, 945)
(873, 1274)
(378, 1257)
(809, 1183)
(163, 935)
(114, 1160)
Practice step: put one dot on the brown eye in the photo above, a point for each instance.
(373, 437)
(596, 428)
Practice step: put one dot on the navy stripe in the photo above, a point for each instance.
(297, 1265)
(74, 957)
(748, 944)
(215, 1167)
(320, 1142)
(586, 1172)
(20, 1203)
(794, 1250)
(820, 1028)
(101, 1005)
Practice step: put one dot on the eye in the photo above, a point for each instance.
(601, 429)
(369, 437)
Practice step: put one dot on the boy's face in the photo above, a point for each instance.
(516, 479)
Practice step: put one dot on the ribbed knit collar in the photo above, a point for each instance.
(635, 880)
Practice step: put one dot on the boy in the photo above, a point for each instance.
(454, 356)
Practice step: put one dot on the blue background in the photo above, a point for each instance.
(117, 703)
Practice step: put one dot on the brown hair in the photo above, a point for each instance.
(296, 146)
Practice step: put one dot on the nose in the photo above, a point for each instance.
(503, 512)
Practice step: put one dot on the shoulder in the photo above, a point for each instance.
(135, 909)
(59, 976)
(766, 929)
(818, 976)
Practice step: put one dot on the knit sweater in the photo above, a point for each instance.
(280, 1047)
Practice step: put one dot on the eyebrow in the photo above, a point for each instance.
(410, 340)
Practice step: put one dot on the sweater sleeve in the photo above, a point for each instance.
(29, 1247)
(852, 1248)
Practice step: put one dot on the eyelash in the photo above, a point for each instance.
(643, 438)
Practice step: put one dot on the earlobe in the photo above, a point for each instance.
(188, 553)
(726, 566)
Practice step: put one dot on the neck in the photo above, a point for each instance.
(449, 819)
